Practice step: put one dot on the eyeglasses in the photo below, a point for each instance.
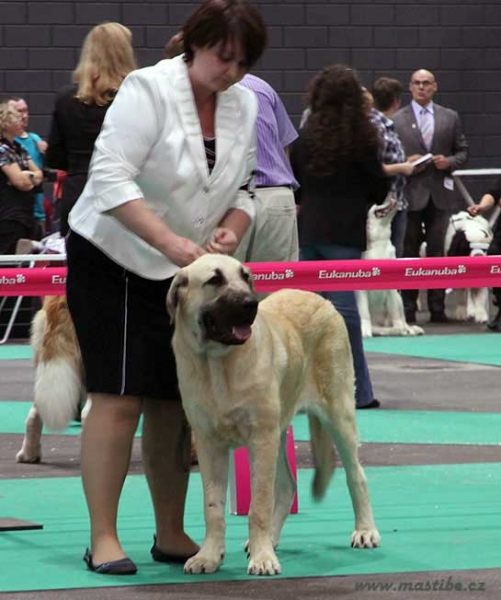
(425, 83)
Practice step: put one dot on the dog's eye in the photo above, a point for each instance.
(245, 275)
(216, 279)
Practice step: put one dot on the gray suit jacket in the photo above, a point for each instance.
(449, 140)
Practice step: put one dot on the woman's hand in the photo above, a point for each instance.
(486, 202)
(183, 252)
(407, 168)
(224, 241)
(475, 210)
(28, 181)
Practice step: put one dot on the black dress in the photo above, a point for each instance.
(16, 206)
(74, 129)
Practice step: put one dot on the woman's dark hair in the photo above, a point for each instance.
(339, 126)
(224, 21)
(175, 46)
(385, 91)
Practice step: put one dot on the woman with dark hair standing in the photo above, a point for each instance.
(335, 160)
(169, 181)
(106, 59)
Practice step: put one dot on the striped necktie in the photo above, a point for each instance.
(426, 126)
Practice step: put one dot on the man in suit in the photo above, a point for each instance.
(423, 127)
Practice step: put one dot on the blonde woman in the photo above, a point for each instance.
(106, 59)
(18, 177)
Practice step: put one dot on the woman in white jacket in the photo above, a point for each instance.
(169, 181)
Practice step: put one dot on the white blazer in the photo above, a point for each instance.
(151, 147)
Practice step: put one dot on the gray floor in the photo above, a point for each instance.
(401, 383)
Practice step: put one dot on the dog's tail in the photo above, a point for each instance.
(324, 455)
(58, 377)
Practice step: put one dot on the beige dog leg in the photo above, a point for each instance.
(365, 534)
(213, 461)
(263, 453)
(31, 450)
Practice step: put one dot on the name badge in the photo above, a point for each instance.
(449, 183)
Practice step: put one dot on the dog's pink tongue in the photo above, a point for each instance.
(242, 332)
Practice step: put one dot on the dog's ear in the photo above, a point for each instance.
(247, 275)
(174, 294)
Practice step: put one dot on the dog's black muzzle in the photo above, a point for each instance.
(228, 319)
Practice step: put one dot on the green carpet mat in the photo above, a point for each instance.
(477, 348)
(431, 518)
(13, 415)
(384, 426)
(12, 352)
(419, 427)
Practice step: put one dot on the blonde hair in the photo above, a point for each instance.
(107, 57)
(8, 114)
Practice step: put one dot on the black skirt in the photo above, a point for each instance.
(122, 325)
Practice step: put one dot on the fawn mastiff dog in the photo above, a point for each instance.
(244, 371)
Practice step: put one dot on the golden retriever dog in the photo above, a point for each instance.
(59, 389)
(382, 311)
(244, 371)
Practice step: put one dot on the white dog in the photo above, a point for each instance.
(382, 311)
(469, 236)
(59, 385)
(243, 373)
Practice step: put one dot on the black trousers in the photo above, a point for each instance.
(11, 232)
(427, 225)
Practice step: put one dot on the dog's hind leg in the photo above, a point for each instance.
(461, 305)
(345, 436)
(31, 450)
(213, 459)
(285, 488)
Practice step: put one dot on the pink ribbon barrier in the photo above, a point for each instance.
(318, 276)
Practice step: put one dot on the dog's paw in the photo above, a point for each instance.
(365, 538)
(414, 330)
(479, 316)
(264, 563)
(366, 329)
(203, 563)
(29, 456)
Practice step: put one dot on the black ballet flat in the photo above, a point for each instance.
(165, 557)
(123, 566)
(374, 404)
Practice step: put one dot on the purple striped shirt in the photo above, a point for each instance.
(274, 131)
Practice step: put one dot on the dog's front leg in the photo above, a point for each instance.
(365, 316)
(263, 452)
(31, 450)
(213, 460)
(478, 303)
